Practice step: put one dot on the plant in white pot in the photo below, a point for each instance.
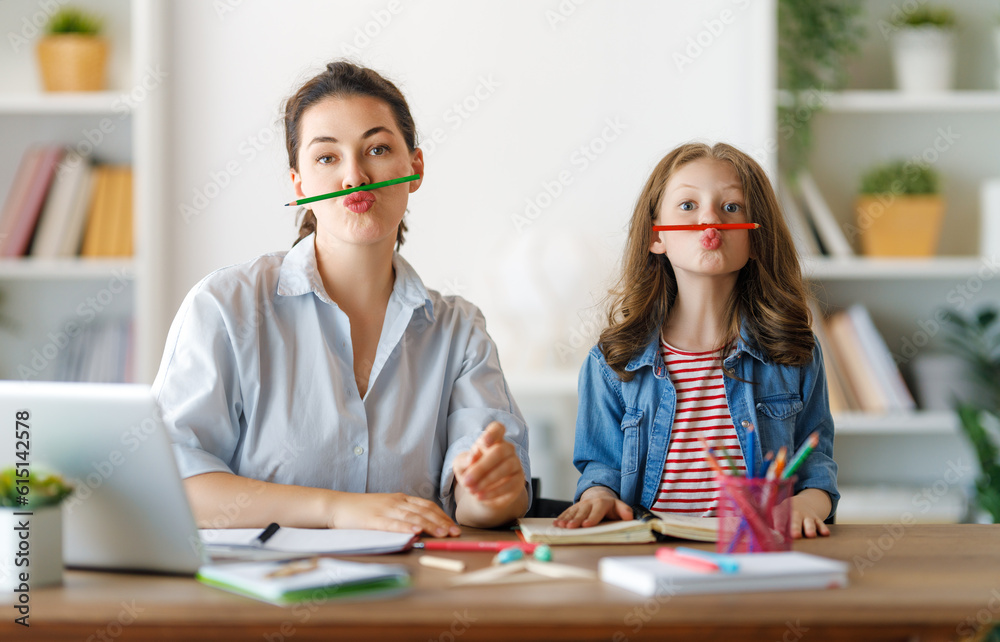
(72, 55)
(923, 50)
(30, 528)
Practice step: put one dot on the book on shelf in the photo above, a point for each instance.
(801, 230)
(99, 352)
(70, 188)
(27, 199)
(841, 397)
(539, 530)
(110, 214)
(861, 364)
(828, 230)
(786, 571)
(318, 578)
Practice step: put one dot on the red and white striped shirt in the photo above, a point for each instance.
(688, 483)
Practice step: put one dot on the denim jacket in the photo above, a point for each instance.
(623, 428)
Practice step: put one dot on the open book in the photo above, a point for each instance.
(652, 528)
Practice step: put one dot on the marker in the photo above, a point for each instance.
(726, 563)
(706, 226)
(804, 451)
(467, 545)
(265, 535)
(670, 556)
(362, 188)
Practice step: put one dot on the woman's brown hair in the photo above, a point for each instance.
(342, 79)
(769, 298)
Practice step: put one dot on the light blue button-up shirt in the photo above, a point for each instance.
(257, 379)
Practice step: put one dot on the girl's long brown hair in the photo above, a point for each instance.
(769, 298)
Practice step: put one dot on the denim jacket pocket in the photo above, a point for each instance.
(776, 416)
(630, 443)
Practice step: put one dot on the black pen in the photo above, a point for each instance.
(265, 535)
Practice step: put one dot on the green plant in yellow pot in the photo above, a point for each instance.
(72, 55)
(900, 210)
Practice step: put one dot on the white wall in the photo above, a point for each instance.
(549, 89)
(535, 83)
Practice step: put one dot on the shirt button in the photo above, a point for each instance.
(744, 423)
(358, 450)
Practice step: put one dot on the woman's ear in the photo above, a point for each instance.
(418, 168)
(297, 184)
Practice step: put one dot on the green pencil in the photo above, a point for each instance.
(363, 188)
(804, 451)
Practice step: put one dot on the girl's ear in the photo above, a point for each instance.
(656, 245)
(297, 184)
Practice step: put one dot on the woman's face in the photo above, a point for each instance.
(704, 191)
(345, 143)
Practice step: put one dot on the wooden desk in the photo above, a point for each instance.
(914, 583)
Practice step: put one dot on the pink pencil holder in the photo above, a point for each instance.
(753, 515)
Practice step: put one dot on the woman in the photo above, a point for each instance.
(325, 386)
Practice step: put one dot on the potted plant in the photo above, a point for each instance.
(899, 210)
(72, 55)
(31, 528)
(977, 341)
(815, 40)
(923, 50)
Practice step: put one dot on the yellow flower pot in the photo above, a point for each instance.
(73, 62)
(892, 225)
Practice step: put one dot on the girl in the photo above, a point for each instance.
(325, 386)
(708, 336)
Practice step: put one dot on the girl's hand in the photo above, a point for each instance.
(809, 509)
(394, 512)
(596, 503)
(490, 471)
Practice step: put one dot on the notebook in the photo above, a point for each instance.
(539, 530)
(313, 579)
(288, 542)
(786, 571)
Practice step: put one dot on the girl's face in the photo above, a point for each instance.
(348, 142)
(704, 191)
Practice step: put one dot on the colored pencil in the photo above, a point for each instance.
(720, 226)
(800, 456)
(362, 188)
(670, 556)
(471, 545)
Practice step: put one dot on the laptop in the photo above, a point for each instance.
(129, 510)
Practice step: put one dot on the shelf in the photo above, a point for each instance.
(865, 268)
(908, 423)
(891, 101)
(96, 102)
(75, 269)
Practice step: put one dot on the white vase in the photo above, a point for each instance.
(30, 549)
(924, 59)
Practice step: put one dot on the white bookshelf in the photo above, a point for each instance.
(42, 297)
(894, 102)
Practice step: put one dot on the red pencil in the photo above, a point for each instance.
(720, 226)
(471, 545)
(670, 556)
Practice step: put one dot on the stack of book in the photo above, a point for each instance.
(812, 223)
(61, 205)
(100, 353)
(861, 372)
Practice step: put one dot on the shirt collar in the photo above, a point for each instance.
(299, 275)
(651, 356)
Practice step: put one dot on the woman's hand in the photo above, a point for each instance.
(809, 509)
(490, 471)
(596, 503)
(394, 512)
